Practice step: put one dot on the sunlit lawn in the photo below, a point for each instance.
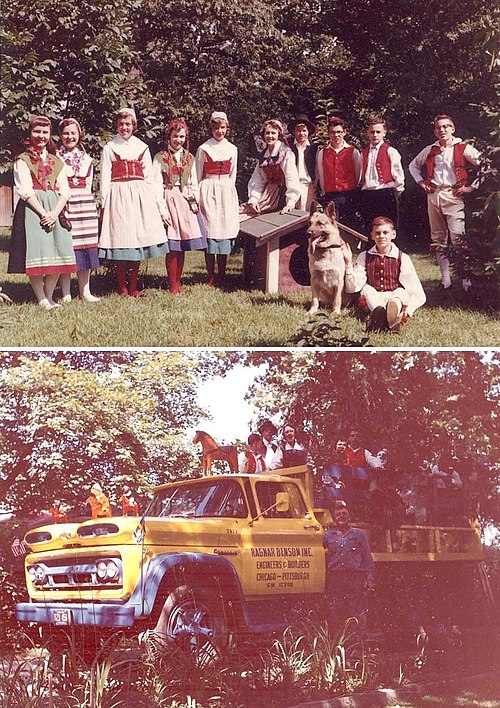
(208, 317)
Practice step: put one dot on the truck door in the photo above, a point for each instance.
(282, 550)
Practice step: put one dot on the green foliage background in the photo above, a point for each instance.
(407, 61)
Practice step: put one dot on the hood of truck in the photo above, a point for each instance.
(124, 530)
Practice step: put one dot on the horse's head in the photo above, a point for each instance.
(197, 437)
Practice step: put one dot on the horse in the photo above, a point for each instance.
(211, 451)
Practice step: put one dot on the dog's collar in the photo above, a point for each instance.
(333, 245)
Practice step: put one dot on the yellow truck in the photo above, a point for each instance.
(211, 558)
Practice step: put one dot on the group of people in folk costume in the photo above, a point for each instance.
(178, 202)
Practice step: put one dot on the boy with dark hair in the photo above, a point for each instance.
(338, 167)
(386, 279)
(440, 170)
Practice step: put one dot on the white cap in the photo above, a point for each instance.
(219, 115)
(127, 111)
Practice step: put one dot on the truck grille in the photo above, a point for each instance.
(78, 574)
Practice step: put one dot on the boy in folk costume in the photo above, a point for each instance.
(98, 502)
(440, 170)
(382, 176)
(338, 168)
(386, 279)
(251, 460)
(305, 158)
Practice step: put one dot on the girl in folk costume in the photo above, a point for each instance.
(174, 174)
(216, 164)
(41, 246)
(80, 210)
(132, 227)
(274, 184)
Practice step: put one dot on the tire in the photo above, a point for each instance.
(196, 622)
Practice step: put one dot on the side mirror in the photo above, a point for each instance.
(282, 501)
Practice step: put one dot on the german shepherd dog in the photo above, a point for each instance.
(326, 259)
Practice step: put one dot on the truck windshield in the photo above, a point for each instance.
(222, 498)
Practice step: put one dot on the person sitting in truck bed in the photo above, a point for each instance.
(290, 452)
(252, 459)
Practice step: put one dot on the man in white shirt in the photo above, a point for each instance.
(440, 170)
(382, 177)
(305, 158)
(268, 432)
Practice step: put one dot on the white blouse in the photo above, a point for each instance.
(258, 180)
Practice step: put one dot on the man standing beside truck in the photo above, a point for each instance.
(349, 570)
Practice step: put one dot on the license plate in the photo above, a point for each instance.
(61, 617)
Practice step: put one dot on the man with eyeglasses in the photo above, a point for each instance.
(338, 168)
(442, 171)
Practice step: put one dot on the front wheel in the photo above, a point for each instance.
(196, 622)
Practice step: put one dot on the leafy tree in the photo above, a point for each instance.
(65, 58)
(73, 419)
(413, 403)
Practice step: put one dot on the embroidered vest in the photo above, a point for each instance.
(272, 166)
(127, 170)
(77, 181)
(459, 161)
(173, 173)
(339, 172)
(382, 163)
(43, 174)
(383, 273)
(216, 167)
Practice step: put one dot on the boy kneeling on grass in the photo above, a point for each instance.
(385, 278)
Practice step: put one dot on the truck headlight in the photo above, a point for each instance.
(37, 574)
(107, 570)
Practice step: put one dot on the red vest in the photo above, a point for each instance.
(339, 172)
(127, 170)
(216, 167)
(355, 458)
(383, 273)
(459, 161)
(382, 163)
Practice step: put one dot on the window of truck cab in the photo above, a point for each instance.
(219, 498)
(266, 495)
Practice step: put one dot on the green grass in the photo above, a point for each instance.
(208, 317)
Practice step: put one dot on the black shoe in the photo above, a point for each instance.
(378, 320)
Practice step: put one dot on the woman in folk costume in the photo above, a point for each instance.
(174, 174)
(216, 165)
(274, 184)
(41, 246)
(80, 210)
(132, 227)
